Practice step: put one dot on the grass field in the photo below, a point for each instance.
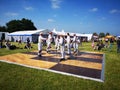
(14, 77)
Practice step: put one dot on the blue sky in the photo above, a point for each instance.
(80, 16)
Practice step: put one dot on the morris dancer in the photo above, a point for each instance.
(77, 45)
(49, 40)
(62, 47)
(40, 42)
(74, 43)
(57, 46)
(68, 44)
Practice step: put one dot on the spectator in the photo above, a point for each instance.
(106, 42)
(118, 45)
(28, 44)
(1, 43)
(7, 44)
(111, 44)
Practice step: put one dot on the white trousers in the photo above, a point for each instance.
(75, 46)
(57, 46)
(39, 48)
(48, 46)
(62, 50)
(69, 48)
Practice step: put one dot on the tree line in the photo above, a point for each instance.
(18, 25)
(26, 24)
(102, 34)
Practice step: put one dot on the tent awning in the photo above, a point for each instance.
(28, 33)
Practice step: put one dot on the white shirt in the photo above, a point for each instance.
(56, 40)
(40, 39)
(49, 38)
(68, 39)
(61, 41)
(74, 39)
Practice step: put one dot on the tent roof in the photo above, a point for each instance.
(65, 33)
(17, 33)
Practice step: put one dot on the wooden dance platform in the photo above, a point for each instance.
(85, 64)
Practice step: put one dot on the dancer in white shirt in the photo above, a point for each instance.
(74, 42)
(62, 47)
(40, 42)
(68, 44)
(49, 40)
(57, 46)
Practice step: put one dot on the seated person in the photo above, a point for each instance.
(99, 46)
(9, 45)
(28, 44)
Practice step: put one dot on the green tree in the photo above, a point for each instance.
(95, 34)
(14, 25)
(107, 34)
(27, 24)
(101, 34)
(19, 25)
(3, 29)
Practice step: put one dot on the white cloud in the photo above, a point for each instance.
(55, 3)
(51, 20)
(114, 11)
(28, 8)
(93, 10)
(11, 14)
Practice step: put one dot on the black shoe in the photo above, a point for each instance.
(68, 53)
(68, 58)
(39, 55)
(62, 59)
(47, 51)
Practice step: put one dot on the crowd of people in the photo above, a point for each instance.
(64, 44)
(60, 43)
(107, 43)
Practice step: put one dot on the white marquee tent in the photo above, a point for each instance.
(87, 36)
(5, 35)
(23, 35)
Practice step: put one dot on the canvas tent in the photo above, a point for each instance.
(4, 35)
(88, 37)
(23, 35)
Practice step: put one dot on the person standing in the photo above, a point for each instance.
(118, 45)
(111, 44)
(77, 45)
(106, 42)
(68, 44)
(62, 47)
(28, 44)
(49, 40)
(57, 46)
(40, 42)
(74, 43)
(1, 43)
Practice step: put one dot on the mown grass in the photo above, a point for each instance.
(14, 77)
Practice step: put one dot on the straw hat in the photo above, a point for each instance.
(41, 33)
